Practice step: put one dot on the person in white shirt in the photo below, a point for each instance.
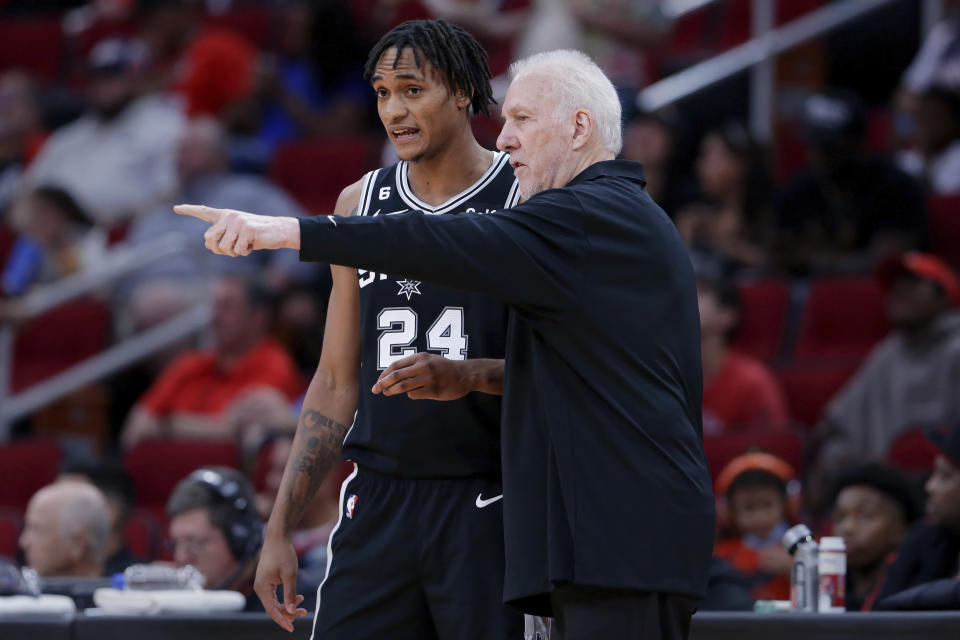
(118, 158)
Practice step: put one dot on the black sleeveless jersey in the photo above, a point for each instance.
(401, 316)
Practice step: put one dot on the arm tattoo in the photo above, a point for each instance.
(324, 440)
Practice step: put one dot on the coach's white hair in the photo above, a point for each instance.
(579, 84)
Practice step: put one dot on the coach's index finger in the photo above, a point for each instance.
(205, 213)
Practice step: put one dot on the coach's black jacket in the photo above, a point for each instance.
(604, 474)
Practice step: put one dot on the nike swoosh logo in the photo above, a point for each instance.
(333, 220)
(392, 213)
(481, 503)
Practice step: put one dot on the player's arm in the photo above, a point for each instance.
(328, 409)
(426, 376)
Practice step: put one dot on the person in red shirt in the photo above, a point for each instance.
(739, 392)
(754, 493)
(211, 393)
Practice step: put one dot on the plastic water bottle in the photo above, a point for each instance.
(832, 568)
(804, 582)
(153, 577)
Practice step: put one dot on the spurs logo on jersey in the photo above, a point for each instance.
(402, 316)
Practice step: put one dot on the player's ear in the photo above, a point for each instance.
(583, 126)
(463, 100)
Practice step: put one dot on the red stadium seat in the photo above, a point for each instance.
(156, 466)
(252, 22)
(142, 534)
(765, 304)
(944, 214)
(721, 449)
(26, 467)
(58, 339)
(33, 44)
(912, 452)
(315, 171)
(843, 319)
(10, 525)
(809, 387)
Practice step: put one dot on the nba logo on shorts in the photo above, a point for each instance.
(351, 505)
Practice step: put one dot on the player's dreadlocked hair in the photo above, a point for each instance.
(450, 49)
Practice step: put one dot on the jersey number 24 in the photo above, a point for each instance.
(399, 329)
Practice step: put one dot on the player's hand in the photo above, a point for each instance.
(278, 566)
(426, 376)
(237, 233)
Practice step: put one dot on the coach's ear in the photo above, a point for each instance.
(583, 126)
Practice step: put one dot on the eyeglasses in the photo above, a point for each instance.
(191, 546)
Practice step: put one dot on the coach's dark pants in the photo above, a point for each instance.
(590, 613)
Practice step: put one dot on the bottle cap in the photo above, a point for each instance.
(793, 535)
(832, 543)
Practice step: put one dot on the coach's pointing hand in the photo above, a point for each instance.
(237, 233)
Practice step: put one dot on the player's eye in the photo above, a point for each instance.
(414, 91)
(381, 93)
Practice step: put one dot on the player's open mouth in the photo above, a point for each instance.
(404, 134)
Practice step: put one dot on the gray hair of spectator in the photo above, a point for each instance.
(84, 511)
(579, 84)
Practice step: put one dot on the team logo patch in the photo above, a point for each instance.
(408, 288)
(351, 505)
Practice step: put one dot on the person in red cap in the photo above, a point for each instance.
(753, 487)
(910, 378)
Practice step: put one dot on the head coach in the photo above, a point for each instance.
(608, 509)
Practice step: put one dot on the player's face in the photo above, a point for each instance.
(419, 112)
(536, 136)
(198, 542)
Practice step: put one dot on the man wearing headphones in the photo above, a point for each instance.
(214, 526)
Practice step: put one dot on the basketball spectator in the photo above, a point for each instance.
(212, 68)
(314, 85)
(726, 230)
(214, 526)
(67, 527)
(117, 488)
(739, 391)
(910, 378)
(117, 160)
(935, 161)
(873, 505)
(55, 241)
(204, 175)
(931, 549)
(20, 131)
(202, 393)
(848, 209)
(649, 139)
(754, 488)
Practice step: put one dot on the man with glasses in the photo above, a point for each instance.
(214, 526)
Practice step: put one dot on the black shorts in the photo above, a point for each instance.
(416, 559)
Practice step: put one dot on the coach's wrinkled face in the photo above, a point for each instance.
(538, 137)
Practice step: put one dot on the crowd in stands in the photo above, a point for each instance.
(826, 258)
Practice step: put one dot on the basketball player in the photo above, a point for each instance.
(418, 550)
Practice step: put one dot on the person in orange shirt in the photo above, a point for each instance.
(739, 392)
(214, 393)
(754, 488)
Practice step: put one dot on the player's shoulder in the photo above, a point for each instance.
(348, 202)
